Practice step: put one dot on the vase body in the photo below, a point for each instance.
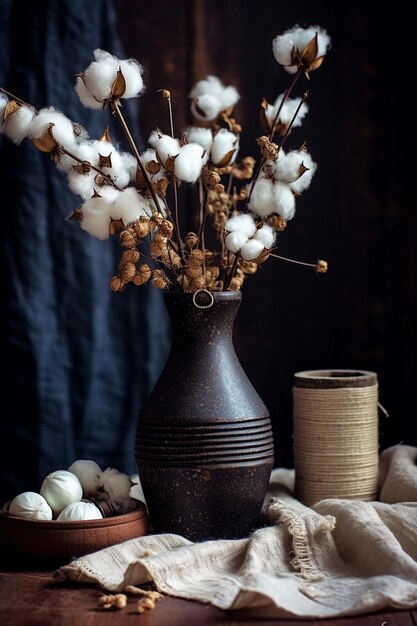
(204, 446)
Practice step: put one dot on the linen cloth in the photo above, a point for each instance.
(340, 557)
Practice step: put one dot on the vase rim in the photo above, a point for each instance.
(219, 296)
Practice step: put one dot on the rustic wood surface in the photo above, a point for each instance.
(30, 598)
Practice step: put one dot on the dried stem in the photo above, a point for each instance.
(116, 109)
(287, 93)
(231, 273)
(177, 219)
(203, 214)
(290, 125)
(284, 258)
(93, 167)
(11, 95)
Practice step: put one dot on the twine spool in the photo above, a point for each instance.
(335, 435)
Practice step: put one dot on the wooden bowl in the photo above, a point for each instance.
(53, 542)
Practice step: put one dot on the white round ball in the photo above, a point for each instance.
(61, 488)
(30, 505)
(79, 511)
(88, 473)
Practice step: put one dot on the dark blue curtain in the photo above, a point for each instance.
(78, 360)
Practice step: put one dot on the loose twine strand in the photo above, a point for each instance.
(336, 443)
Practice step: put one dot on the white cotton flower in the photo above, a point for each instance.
(117, 171)
(284, 201)
(266, 235)
(114, 486)
(30, 505)
(79, 511)
(132, 72)
(235, 240)
(62, 129)
(100, 75)
(211, 97)
(202, 136)
(251, 250)
(3, 103)
(242, 223)
(262, 200)
(129, 206)
(304, 181)
(18, 123)
(82, 184)
(150, 155)
(88, 473)
(97, 213)
(61, 488)
(288, 47)
(224, 148)
(189, 162)
(165, 146)
(130, 165)
(287, 111)
(85, 96)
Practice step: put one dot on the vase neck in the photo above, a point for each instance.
(210, 325)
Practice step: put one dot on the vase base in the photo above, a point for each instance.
(205, 503)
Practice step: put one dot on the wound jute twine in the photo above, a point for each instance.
(335, 435)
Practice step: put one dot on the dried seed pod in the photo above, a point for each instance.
(142, 227)
(191, 240)
(182, 280)
(116, 283)
(156, 218)
(198, 283)
(127, 271)
(277, 222)
(219, 188)
(193, 263)
(193, 272)
(249, 267)
(145, 604)
(159, 279)
(157, 249)
(235, 284)
(214, 271)
(321, 266)
(128, 238)
(112, 601)
(145, 271)
(269, 150)
(197, 255)
(138, 280)
(131, 256)
(166, 228)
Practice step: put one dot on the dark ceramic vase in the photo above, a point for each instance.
(204, 446)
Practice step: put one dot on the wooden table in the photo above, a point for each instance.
(30, 598)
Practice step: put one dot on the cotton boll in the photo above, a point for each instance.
(101, 74)
(202, 136)
(85, 96)
(287, 111)
(262, 201)
(18, 123)
(242, 223)
(61, 488)
(235, 240)
(96, 214)
(79, 511)
(30, 505)
(146, 157)
(165, 146)
(81, 184)
(130, 206)
(287, 169)
(295, 40)
(304, 181)
(88, 473)
(189, 162)
(206, 107)
(3, 103)
(284, 201)
(224, 142)
(212, 85)
(115, 486)
(130, 164)
(132, 72)
(62, 129)
(228, 97)
(266, 235)
(251, 250)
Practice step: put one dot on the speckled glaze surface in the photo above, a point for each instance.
(204, 446)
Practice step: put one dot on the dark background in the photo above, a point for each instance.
(360, 211)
